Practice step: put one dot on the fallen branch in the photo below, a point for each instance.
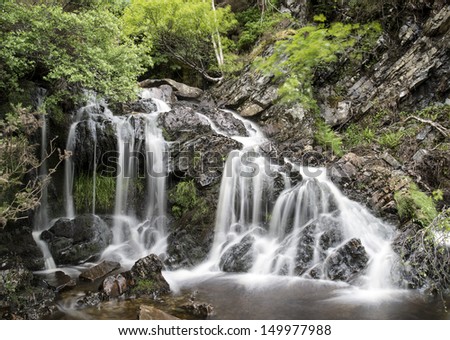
(445, 132)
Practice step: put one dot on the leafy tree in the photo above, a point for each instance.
(69, 50)
(190, 32)
(296, 59)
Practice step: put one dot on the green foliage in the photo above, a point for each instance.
(357, 136)
(327, 138)
(189, 32)
(186, 201)
(144, 286)
(105, 188)
(296, 59)
(69, 50)
(254, 24)
(416, 205)
(391, 139)
(438, 195)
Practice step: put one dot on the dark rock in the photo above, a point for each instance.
(305, 249)
(198, 310)
(145, 277)
(23, 296)
(152, 313)
(346, 261)
(74, 241)
(100, 270)
(238, 258)
(60, 281)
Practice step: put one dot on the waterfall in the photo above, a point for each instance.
(135, 237)
(41, 219)
(309, 227)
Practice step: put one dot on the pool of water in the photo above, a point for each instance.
(253, 297)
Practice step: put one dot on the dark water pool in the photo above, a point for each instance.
(251, 297)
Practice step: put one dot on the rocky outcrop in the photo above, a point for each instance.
(347, 261)
(415, 79)
(238, 258)
(181, 91)
(22, 295)
(74, 241)
(144, 279)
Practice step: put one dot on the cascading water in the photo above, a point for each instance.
(134, 238)
(41, 219)
(305, 233)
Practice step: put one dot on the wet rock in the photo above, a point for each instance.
(330, 238)
(61, 281)
(100, 270)
(182, 91)
(114, 286)
(152, 313)
(347, 261)
(91, 299)
(145, 277)
(305, 249)
(74, 241)
(238, 258)
(198, 310)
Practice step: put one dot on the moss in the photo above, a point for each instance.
(185, 200)
(413, 204)
(104, 194)
(144, 286)
(327, 138)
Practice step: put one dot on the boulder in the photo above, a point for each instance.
(152, 313)
(114, 286)
(182, 91)
(60, 281)
(74, 241)
(100, 270)
(239, 257)
(346, 261)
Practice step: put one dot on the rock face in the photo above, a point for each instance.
(23, 296)
(416, 79)
(100, 270)
(74, 241)
(346, 261)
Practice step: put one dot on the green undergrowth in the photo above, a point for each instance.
(186, 201)
(328, 139)
(413, 204)
(104, 194)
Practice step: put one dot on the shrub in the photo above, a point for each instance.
(327, 138)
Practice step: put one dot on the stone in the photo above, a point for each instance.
(423, 133)
(198, 310)
(348, 260)
(61, 281)
(114, 286)
(145, 277)
(251, 110)
(74, 241)
(99, 270)
(238, 258)
(182, 91)
(391, 160)
(152, 313)
(420, 155)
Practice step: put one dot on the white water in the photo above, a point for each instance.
(41, 219)
(310, 209)
(134, 238)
